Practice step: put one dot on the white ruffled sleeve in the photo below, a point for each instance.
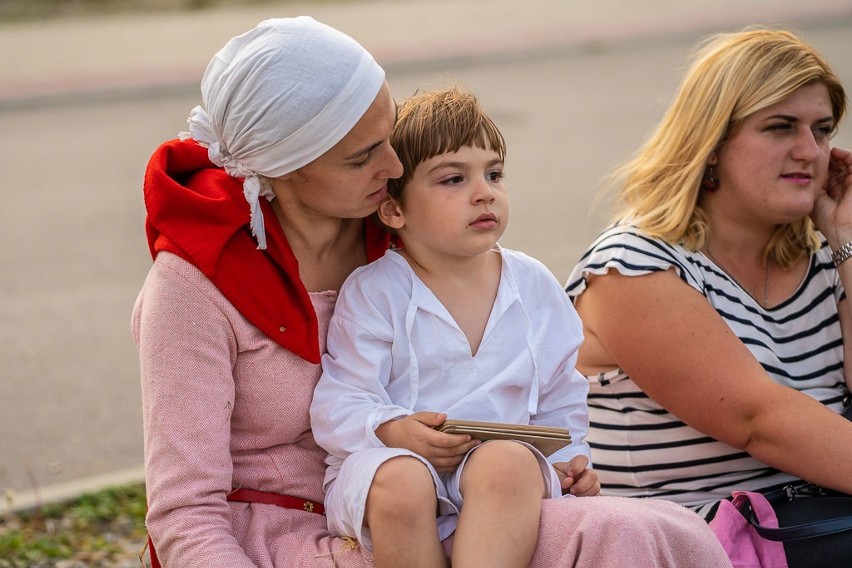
(632, 253)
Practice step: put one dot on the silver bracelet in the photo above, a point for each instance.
(842, 254)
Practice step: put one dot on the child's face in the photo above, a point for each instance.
(455, 204)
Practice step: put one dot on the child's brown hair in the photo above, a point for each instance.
(436, 122)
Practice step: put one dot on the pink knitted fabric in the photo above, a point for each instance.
(225, 406)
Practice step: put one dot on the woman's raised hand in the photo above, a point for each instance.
(832, 212)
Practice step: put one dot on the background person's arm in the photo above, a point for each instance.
(832, 214)
(844, 309)
(674, 345)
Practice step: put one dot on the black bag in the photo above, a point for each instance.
(848, 412)
(815, 526)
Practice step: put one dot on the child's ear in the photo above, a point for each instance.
(391, 214)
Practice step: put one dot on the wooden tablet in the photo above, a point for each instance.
(546, 439)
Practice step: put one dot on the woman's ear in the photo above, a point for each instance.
(713, 158)
(390, 213)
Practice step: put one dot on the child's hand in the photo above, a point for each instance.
(416, 433)
(577, 479)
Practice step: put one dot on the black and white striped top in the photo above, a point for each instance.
(641, 450)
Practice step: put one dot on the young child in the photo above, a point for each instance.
(450, 325)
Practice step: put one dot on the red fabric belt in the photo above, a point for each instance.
(251, 496)
(267, 498)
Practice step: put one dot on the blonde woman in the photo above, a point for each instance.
(715, 314)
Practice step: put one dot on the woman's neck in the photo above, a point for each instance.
(327, 249)
(742, 249)
(744, 243)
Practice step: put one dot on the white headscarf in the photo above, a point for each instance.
(279, 96)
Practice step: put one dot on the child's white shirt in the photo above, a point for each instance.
(393, 349)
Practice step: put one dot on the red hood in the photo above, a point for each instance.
(198, 212)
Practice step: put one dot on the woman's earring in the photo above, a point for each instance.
(710, 182)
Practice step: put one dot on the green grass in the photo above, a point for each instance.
(96, 530)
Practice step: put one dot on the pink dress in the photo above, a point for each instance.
(224, 406)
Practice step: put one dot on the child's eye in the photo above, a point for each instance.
(452, 180)
(496, 175)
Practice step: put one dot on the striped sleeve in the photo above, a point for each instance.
(631, 253)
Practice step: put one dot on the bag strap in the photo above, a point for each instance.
(795, 532)
(806, 530)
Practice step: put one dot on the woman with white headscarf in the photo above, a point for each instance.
(255, 218)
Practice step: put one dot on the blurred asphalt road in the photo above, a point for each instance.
(575, 86)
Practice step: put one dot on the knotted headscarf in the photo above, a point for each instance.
(279, 96)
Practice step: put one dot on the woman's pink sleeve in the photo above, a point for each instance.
(187, 351)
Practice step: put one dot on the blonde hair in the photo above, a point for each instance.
(436, 122)
(732, 76)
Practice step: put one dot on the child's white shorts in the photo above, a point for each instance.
(346, 497)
